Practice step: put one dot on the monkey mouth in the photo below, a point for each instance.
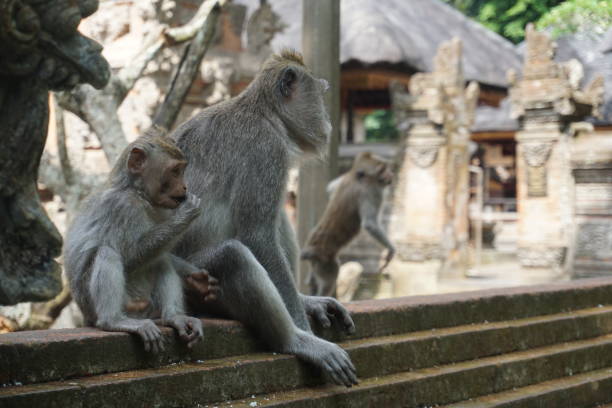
(179, 199)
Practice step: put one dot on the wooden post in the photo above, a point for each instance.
(321, 49)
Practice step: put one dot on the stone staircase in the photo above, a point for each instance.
(546, 346)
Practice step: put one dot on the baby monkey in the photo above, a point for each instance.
(354, 204)
(117, 250)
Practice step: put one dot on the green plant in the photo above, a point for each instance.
(380, 126)
(572, 16)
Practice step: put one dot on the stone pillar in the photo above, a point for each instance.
(546, 100)
(592, 175)
(429, 222)
(321, 48)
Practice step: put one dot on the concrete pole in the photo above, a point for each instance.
(321, 50)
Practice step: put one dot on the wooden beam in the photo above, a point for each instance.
(371, 79)
(493, 136)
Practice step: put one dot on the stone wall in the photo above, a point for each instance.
(592, 204)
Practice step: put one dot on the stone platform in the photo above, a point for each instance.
(540, 346)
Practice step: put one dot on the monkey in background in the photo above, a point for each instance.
(355, 203)
(239, 154)
(117, 251)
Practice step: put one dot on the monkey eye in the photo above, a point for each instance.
(177, 171)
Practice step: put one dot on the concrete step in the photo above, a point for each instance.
(458, 382)
(578, 391)
(273, 375)
(37, 356)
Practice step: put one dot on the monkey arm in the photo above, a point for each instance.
(368, 211)
(198, 282)
(168, 291)
(182, 267)
(153, 242)
(257, 219)
(271, 256)
(161, 237)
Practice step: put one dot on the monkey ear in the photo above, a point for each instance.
(136, 160)
(287, 82)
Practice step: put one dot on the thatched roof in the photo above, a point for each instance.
(409, 32)
(490, 119)
(595, 54)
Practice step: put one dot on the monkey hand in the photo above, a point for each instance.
(388, 258)
(190, 209)
(151, 335)
(204, 286)
(325, 309)
(189, 328)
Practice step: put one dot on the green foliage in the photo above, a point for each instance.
(506, 17)
(379, 126)
(572, 16)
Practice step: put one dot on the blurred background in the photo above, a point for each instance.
(496, 114)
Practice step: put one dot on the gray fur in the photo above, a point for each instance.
(239, 153)
(118, 249)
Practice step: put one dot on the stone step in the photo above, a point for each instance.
(574, 367)
(579, 391)
(37, 356)
(451, 345)
(240, 376)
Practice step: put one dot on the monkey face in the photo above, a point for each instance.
(171, 190)
(373, 169)
(159, 175)
(303, 105)
(385, 175)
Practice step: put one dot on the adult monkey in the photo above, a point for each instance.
(239, 154)
(354, 204)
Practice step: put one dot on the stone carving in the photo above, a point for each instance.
(594, 240)
(435, 115)
(536, 154)
(437, 96)
(40, 49)
(547, 84)
(423, 156)
(232, 62)
(542, 257)
(262, 27)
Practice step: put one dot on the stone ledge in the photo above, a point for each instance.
(55, 354)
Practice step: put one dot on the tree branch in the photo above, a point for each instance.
(128, 75)
(197, 22)
(62, 151)
(189, 66)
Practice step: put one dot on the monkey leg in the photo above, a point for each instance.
(107, 294)
(325, 275)
(249, 296)
(168, 299)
